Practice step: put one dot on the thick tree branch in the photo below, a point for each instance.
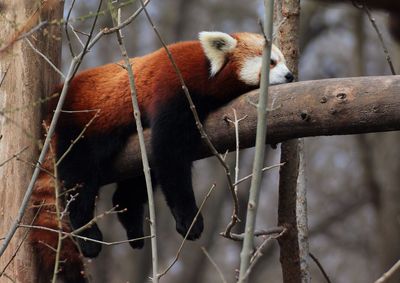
(312, 108)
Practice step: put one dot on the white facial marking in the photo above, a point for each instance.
(278, 73)
(216, 45)
(250, 71)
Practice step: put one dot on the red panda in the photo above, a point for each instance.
(216, 68)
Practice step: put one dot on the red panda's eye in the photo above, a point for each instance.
(273, 63)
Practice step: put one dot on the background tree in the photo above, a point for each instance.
(25, 80)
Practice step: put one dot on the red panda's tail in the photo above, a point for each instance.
(44, 241)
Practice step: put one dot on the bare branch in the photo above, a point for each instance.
(45, 58)
(77, 138)
(4, 75)
(235, 212)
(187, 233)
(19, 245)
(14, 156)
(385, 277)
(320, 267)
(259, 155)
(261, 233)
(363, 6)
(139, 130)
(82, 237)
(264, 169)
(221, 275)
(259, 252)
(66, 28)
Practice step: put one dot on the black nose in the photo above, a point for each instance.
(289, 77)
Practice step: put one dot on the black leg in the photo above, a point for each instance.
(78, 171)
(81, 213)
(83, 166)
(131, 195)
(175, 139)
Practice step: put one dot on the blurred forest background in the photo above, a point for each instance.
(353, 181)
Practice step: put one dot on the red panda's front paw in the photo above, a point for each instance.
(136, 233)
(183, 224)
(89, 247)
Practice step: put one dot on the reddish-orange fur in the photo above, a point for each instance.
(45, 242)
(107, 87)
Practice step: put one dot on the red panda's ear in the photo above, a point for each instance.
(216, 45)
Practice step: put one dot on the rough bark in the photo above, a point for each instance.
(287, 213)
(385, 152)
(292, 207)
(303, 109)
(27, 79)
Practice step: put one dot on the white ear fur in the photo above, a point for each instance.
(215, 45)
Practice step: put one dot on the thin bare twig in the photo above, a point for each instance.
(35, 165)
(4, 75)
(95, 218)
(263, 169)
(18, 126)
(58, 214)
(235, 123)
(82, 237)
(363, 6)
(77, 138)
(259, 253)
(187, 233)
(259, 154)
(45, 58)
(33, 104)
(19, 245)
(76, 34)
(385, 277)
(320, 267)
(221, 275)
(33, 30)
(71, 199)
(15, 155)
(9, 277)
(139, 130)
(19, 35)
(66, 28)
(258, 233)
(92, 15)
(57, 208)
(127, 21)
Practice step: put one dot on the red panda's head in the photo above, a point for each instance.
(244, 52)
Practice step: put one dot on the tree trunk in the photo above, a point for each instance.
(27, 78)
(292, 209)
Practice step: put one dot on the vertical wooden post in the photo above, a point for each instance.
(26, 78)
(292, 210)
